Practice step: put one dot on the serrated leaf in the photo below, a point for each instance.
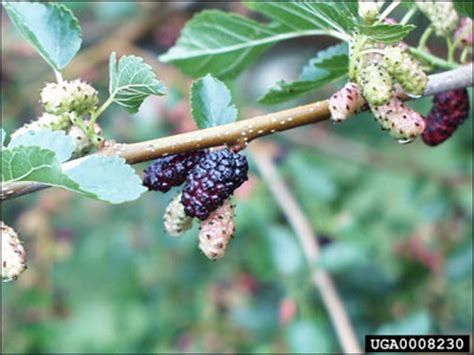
(464, 8)
(60, 143)
(224, 44)
(132, 81)
(211, 103)
(104, 178)
(36, 164)
(328, 65)
(387, 33)
(51, 28)
(108, 178)
(306, 15)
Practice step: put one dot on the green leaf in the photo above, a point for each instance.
(60, 143)
(103, 178)
(211, 103)
(305, 15)
(464, 8)
(224, 44)
(387, 33)
(109, 178)
(36, 164)
(132, 81)
(51, 28)
(3, 136)
(328, 65)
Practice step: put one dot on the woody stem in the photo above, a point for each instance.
(237, 133)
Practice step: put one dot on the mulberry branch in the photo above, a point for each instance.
(239, 133)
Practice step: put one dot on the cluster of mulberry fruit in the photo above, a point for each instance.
(65, 104)
(450, 109)
(378, 73)
(210, 178)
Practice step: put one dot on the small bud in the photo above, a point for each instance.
(175, 219)
(13, 254)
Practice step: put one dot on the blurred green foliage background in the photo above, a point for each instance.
(394, 222)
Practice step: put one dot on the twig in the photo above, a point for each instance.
(308, 239)
(238, 133)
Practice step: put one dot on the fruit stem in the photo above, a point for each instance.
(425, 37)
(98, 112)
(357, 48)
(408, 15)
(59, 76)
(389, 9)
(368, 51)
(432, 59)
(464, 54)
(451, 49)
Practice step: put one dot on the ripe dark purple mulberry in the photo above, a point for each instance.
(450, 109)
(212, 180)
(166, 172)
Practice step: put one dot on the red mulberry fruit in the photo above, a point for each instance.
(345, 102)
(217, 230)
(212, 180)
(451, 108)
(166, 172)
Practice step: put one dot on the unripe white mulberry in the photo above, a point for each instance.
(442, 15)
(13, 254)
(402, 122)
(362, 61)
(175, 219)
(74, 95)
(216, 231)
(369, 10)
(345, 102)
(46, 121)
(83, 143)
(376, 84)
(406, 70)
